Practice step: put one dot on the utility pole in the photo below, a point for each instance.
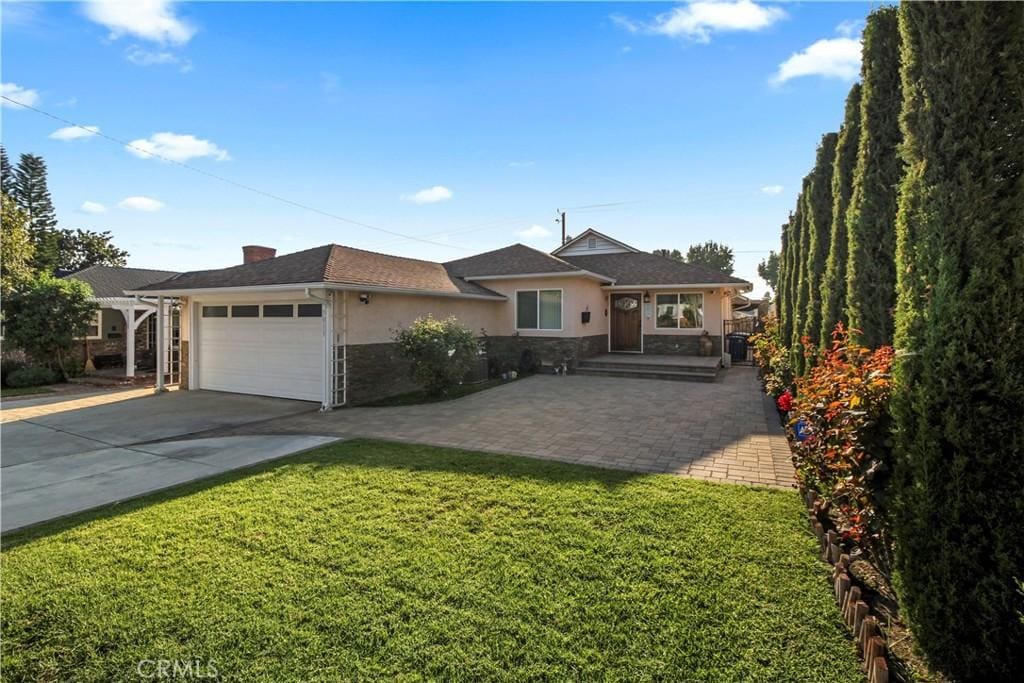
(561, 219)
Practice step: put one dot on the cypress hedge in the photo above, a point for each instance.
(782, 292)
(958, 507)
(819, 225)
(833, 283)
(799, 277)
(871, 270)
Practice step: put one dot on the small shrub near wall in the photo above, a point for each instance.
(773, 359)
(442, 352)
(841, 449)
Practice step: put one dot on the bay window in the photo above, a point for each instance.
(539, 309)
(680, 311)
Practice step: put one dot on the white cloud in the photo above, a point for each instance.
(141, 204)
(533, 232)
(92, 207)
(699, 19)
(18, 94)
(850, 27)
(153, 20)
(143, 57)
(74, 132)
(431, 195)
(771, 189)
(176, 147)
(828, 58)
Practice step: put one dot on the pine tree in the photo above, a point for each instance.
(871, 265)
(819, 225)
(33, 196)
(958, 505)
(6, 174)
(833, 284)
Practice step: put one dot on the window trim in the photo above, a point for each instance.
(679, 306)
(226, 307)
(98, 319)
(263, 311)
(259, 311)
(561, 310)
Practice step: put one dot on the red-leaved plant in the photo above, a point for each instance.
(845, 455)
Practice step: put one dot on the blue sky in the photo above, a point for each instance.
(464, 124)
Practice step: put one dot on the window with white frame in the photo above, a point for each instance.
(680, 311)
(539, 309)
(93, 329)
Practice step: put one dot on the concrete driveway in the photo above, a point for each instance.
(62, 457)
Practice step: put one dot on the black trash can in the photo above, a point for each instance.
(737, 347)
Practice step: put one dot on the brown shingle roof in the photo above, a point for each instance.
(112, 281)
(331, 263)
(513, 260)
(641, 268)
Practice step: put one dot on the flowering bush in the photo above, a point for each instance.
(785, 401)
(841, 406)
(442, 352)
(773, 359)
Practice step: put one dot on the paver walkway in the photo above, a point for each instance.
(725, 431)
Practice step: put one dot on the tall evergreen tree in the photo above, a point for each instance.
(6, 174)
(871, 266)
(782, 302)
(768, 270)
(33, 196)
(958, 501)
(711, 255)
(819, 225)
(833, 284)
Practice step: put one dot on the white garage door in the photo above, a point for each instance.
(272, 349)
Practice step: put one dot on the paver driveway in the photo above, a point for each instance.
(725, 431)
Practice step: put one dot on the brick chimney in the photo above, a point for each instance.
(252, 253)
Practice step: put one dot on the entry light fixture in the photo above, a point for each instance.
(364, 297)
(647, 297)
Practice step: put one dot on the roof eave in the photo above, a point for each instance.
(741, 286)
(521, 276)
(300, 286)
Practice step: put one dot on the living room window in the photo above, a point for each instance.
(93, 331)
(539, 309)
(680, 311)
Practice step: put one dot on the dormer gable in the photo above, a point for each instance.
(590, 242)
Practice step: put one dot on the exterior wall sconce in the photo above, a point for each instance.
(364, 298)
(647, 297)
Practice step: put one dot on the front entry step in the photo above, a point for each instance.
(644, 366)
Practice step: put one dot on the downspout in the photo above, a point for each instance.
(327, 354)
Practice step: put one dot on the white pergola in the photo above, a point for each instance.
(129, 306)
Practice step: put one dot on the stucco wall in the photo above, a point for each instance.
(578, 295)
(712, 313)
(376, 321)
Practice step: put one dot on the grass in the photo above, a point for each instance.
(417, 397)
(368, 560)
(24, 391)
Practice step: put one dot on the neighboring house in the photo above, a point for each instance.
(318, 324)
(123, 331)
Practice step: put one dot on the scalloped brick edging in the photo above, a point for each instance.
(865, 627)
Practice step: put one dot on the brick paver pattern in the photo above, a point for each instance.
(725, 431)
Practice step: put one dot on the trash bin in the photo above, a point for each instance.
(737, 347)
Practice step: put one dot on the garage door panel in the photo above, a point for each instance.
(265, 356)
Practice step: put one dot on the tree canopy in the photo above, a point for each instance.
(711, 255)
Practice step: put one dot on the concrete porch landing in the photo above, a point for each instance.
(652, 366)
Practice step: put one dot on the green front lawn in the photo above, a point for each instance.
(377, 560)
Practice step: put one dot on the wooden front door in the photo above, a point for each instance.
(625, 322)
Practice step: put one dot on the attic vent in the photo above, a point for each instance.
(591, 243)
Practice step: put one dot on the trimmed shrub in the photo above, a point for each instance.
(958, 508)
(31, 376)
(7, 366)
(442, 352)
(772, 357)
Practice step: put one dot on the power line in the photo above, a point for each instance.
(243, 186)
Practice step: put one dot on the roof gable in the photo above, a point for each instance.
(591, 241)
